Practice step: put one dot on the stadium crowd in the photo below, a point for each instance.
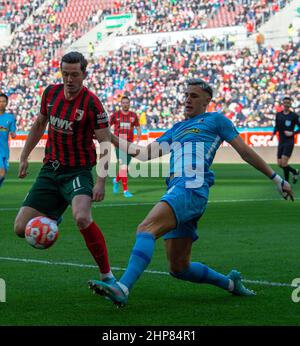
(15, 13)
(154, 77)
(248, 87)
(174, 15)
(44, 31)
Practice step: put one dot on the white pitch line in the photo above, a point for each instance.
(18, 180)
(79, 265)
(152, 203)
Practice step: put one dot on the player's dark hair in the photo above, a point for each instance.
(125, 98)
(287, 98)
(74, 58)
(202, 84)
(5, 96)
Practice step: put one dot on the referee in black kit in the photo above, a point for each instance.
(285, 124)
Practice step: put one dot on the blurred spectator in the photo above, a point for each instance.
(291, 32)
(91, 50)
(260, 40)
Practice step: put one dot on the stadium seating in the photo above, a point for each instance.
(159, 97)
(15, 12)
(34, 55)
(10, 6)
(78, 12)
(74, 18)
(166, 15)
(225, 17)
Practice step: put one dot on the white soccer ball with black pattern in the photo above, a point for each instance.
(41, 232)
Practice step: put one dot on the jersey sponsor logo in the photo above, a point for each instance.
(124, 125)
(61, 124)
(192, 131)
(79, 113)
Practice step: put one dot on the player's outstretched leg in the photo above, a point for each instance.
(201, 274)
(140, 258)
(238, 288)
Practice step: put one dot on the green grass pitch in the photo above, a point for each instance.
(246, 226)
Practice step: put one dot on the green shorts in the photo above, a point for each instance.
(123, 157)
(54, 189)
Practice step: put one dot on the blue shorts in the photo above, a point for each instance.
(4, 163)
(188, 206)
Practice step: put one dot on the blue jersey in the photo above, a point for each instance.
(194, 143)
(7, 125)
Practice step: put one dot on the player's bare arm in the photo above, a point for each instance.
(142, 153)
(104, 138)
(35, 134)
(251, 157)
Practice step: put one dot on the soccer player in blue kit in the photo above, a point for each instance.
(7, 126)
(176, 216)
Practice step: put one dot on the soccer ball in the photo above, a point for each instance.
(41, 232)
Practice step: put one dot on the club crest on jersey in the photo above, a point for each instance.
(79, 114)
(287, 123)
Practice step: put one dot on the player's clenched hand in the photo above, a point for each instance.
(283, 187)
(287, 191)
(23, 166)
(99, 191)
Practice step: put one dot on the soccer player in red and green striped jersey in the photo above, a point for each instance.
(123, 123)
(74, 115)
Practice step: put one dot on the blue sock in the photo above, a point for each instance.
(1, 180)
(200, 273)
(140, 257)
